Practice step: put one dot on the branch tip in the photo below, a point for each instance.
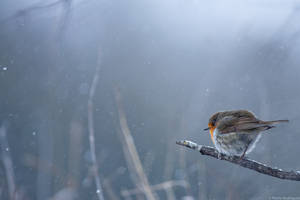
(189, 144)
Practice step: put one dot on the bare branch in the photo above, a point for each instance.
(109, 189)
(132, 154)
(24, 12)
(161, 186)
(91, 130)
(247, 163)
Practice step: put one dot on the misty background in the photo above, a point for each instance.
(173, 63)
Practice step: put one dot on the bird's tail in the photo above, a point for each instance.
(266, 125)
(275, 122)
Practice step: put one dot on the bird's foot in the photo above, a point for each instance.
(242, 157)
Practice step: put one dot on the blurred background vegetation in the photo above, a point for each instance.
(172, 64)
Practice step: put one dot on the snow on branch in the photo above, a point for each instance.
(245, 162)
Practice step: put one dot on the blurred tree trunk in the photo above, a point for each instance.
(45, 153)
(75, 153)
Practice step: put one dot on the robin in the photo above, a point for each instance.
(236, 132)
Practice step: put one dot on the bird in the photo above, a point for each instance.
(236, 132)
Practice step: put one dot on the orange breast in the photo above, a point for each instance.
(211, 131)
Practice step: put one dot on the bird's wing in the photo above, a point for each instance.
(242, 124)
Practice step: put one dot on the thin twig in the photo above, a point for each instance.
(7, 163)
(161, 186)
(35, 7)
(247, 163)
(109, 189)
(133, 155)
(91, 130)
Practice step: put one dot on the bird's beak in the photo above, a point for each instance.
(206, 129)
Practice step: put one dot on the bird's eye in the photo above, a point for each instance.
(214, 122)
